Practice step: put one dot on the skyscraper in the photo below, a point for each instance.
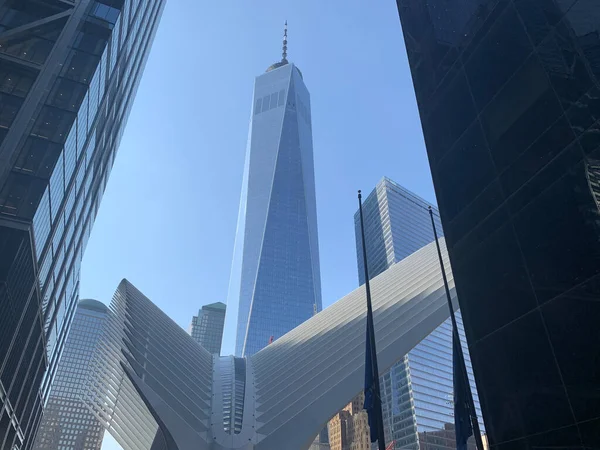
(67, 423)
(207, 327)
(417, 392)
(508, 94)
(69, 71)
(276, 266)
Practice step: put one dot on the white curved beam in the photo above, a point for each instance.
(290, 389)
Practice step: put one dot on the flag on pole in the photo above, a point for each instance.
(465, 418)
(372, 393)
(462, 419)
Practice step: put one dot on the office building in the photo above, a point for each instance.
(69, 71)
(276, 275)
(417, 393)
(508, 94)
(279, 397)
(207, 327)
(67, 424)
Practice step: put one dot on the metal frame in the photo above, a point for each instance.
(23, 122)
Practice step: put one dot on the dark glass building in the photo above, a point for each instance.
(67, 423)
(509, 97)
(207, 327)
(69, 70)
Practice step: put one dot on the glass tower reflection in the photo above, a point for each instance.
(276, 261)
(417, 392)
(509, 99)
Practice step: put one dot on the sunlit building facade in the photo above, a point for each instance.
(276, 275)
(67, 423)
(69, 71)
(417, 392)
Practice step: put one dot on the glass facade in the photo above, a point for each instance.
(417, 393)
(68, 75)
(276, 265)
(67, 423)
(508, 93)
(207, 327)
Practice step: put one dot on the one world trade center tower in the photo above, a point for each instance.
(276, 260)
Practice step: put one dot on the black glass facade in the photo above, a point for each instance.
(509, 97)
(69, 70)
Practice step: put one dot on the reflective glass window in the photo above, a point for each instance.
(93, 95)
(20, 195)
(15, 80)
(91, 38)
(266, 101)
(37, 157)
(70, 203)
(258, 106)
(66, 94)
(82, 123)
(79, 180)
(57, 187)
(274, 100)
(47, 304)
(102, 80)
(44, 268)
(114, 47)
(56, 241)
(62, 311)
(53, 124)
(41, 223)
(104, 12)
(80, 66)
(9, 107)
(70, 154)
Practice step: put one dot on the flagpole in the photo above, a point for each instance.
(472, 412)
(371, 336)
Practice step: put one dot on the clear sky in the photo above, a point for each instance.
(168, 217)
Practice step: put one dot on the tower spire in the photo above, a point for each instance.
(284, 54)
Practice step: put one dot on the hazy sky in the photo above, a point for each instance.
(168, 217)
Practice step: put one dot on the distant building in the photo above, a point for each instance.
(67, 423)
(417, 392)
(207, 327)
(349, 429)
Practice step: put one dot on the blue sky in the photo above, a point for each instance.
(168, 216)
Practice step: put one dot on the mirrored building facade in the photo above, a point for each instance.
(509, 98)
(67, 423)
(417, 393)
(69, 71)
(276, 265)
